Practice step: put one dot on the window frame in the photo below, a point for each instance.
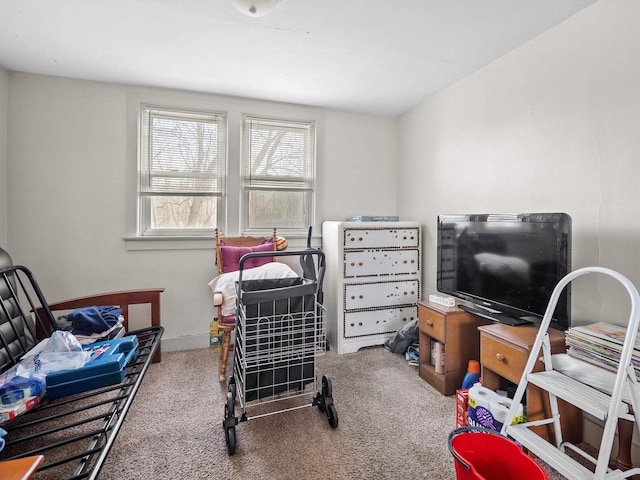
(284, 184)
(145, 144)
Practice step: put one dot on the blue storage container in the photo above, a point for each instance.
(105, 367)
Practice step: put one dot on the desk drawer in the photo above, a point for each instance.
(376, 322)
(431, 324)
(381, 294)
(380, 237)
(377, 262)
(506, 360)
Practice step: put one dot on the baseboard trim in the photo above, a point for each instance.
(188, 342)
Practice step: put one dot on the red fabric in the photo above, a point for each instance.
(231, 256)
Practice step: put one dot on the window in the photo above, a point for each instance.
(183, 189)
(277, 174)
(182, 162)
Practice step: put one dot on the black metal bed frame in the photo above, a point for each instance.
(74, 433)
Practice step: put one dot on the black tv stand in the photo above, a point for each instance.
(493, 315)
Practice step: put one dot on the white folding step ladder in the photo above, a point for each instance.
(603, 406)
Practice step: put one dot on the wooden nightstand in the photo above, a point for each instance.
(504, 351)
(458, 331)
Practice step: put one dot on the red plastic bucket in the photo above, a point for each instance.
(481, 454)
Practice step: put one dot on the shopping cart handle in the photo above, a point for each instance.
(306, 251)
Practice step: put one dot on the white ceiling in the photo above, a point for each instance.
(374, 56)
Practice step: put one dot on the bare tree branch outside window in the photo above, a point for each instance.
(278, 173)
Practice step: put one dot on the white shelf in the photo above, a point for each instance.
(557, 459)
(583, 396)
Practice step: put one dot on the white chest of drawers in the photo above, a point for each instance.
(372, 284)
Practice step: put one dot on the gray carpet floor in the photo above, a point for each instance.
(392, 424)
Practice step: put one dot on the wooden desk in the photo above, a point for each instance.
(504, 351)
(21, 468)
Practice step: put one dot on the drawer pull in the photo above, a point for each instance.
(500, 357)
(430, 323)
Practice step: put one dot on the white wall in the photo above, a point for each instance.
(71, 153)
(4, 96)
(552, 126)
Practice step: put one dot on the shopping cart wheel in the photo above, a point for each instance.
(229, 423)
(230, 437)
(332, 415)
(230, 406)
(326, 404)
(321, 398)
(318, 401)
(327, 390)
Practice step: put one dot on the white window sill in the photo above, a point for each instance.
(198, 243)
(170, 243)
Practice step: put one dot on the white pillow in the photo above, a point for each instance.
(226, 283)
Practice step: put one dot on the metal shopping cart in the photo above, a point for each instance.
(280, 332)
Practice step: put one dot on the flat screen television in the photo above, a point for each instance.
(505, 266)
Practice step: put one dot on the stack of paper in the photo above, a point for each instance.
(601, 344)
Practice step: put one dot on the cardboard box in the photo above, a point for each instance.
(11, 413)
(462, 398)
(19, 392)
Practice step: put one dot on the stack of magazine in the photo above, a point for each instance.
(601, 344)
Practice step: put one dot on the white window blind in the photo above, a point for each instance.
(277, 173)
(277, 154)
(182, 153)
(181, 170)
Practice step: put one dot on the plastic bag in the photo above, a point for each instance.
(62, 351)
(16, 390)
(406, 336)
(24, 385)
(20, 390)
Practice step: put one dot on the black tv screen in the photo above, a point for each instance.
(505, 266)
